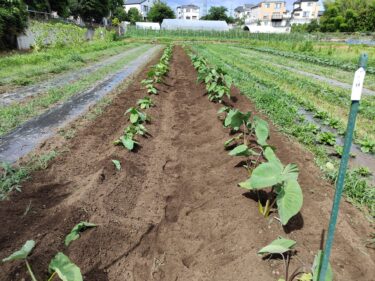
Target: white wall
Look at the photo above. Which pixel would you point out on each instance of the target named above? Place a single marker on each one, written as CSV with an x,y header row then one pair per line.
x,y
143,8
188,14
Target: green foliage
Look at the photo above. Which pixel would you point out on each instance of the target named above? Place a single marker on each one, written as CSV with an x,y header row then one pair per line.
x,y
90,10
218,13
317,267
327,138
242,150
367,145
65,268
278,246
117,164
10,179
136,116
77,229
134,15
348,16
13,20
261,131
145,103
22,253
283,181
160,11
235,119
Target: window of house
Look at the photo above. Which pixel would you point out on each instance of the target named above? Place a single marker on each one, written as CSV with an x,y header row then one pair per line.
x,y
145,9
267,5
194,17
278,5
188,10
309,4
306,14
187,17
296,14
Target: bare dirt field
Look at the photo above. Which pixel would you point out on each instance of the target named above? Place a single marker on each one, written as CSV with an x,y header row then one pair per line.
x,y
174,211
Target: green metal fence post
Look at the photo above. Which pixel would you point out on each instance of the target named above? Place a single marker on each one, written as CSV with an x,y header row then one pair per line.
x,y
356,96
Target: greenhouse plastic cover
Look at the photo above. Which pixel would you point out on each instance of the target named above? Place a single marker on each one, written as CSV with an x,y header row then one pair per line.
x,y
175,24
147,25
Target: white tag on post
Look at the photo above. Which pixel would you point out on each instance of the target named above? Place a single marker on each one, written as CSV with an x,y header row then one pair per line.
x,y
357,88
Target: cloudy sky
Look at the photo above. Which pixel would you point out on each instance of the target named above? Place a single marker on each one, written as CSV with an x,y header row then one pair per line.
x,y
230,4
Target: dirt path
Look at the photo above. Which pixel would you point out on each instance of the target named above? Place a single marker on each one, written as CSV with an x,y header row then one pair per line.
x,y
61,79
174,211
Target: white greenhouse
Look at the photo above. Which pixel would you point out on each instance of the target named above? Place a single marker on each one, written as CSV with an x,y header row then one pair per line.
x,y
147,25
180,24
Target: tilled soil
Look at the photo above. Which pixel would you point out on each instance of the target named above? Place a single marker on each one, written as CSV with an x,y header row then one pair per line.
x,y
174,211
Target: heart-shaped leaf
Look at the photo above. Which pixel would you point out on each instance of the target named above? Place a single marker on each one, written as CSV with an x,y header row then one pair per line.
x,y
261,131
278,246
241,150
266,175
289,200
21,253
65,269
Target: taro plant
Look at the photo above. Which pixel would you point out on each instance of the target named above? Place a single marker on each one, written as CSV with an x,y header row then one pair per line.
x,y
218,84
77,229
136,116
145,103
283,183
60,264
149,85
117,164
284,248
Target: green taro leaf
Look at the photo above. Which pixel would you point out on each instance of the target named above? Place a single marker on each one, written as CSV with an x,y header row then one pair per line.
x,y
266,175
290,172
74,234
271,156
21,253
278,246
127,142
261,131
317,267
65,269
289,200
117,164
230,141
241,150
236,118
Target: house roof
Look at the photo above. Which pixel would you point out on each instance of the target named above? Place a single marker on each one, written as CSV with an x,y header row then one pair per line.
x,y
239,9
188,6
132,2
249,6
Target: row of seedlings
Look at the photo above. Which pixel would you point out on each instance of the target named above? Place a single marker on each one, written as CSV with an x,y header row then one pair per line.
x,y
264,168
136,115
60,264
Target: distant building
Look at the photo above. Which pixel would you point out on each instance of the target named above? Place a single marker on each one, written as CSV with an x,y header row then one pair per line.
x,y
180,24
269,16
188,12
304,11
143,6
243,12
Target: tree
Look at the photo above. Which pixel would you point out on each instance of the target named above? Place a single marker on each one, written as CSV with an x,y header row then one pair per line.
x,y
134,15
348,16
120,14
59,6
218,13
160,11
13,20
90,10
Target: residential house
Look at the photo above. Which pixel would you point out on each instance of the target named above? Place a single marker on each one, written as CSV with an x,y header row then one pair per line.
x,y
269,16
304,11
243,12
188,12
143,6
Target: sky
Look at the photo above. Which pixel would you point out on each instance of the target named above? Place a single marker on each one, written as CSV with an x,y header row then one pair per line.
x,y
230,4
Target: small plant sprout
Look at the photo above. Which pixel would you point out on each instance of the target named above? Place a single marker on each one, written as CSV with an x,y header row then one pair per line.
x,y
22,254
77,229
117,164
285,247
145,103
283,182
233,140
127,141
327,138
235,119
136,116
367,145
60,264
64,268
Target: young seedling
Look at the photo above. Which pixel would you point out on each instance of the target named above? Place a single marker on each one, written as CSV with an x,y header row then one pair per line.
x,y
127,141
282,181
136,116
284,247
22,254
327,138
367,145
60,264
145,103
117,164
235,119
75,232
